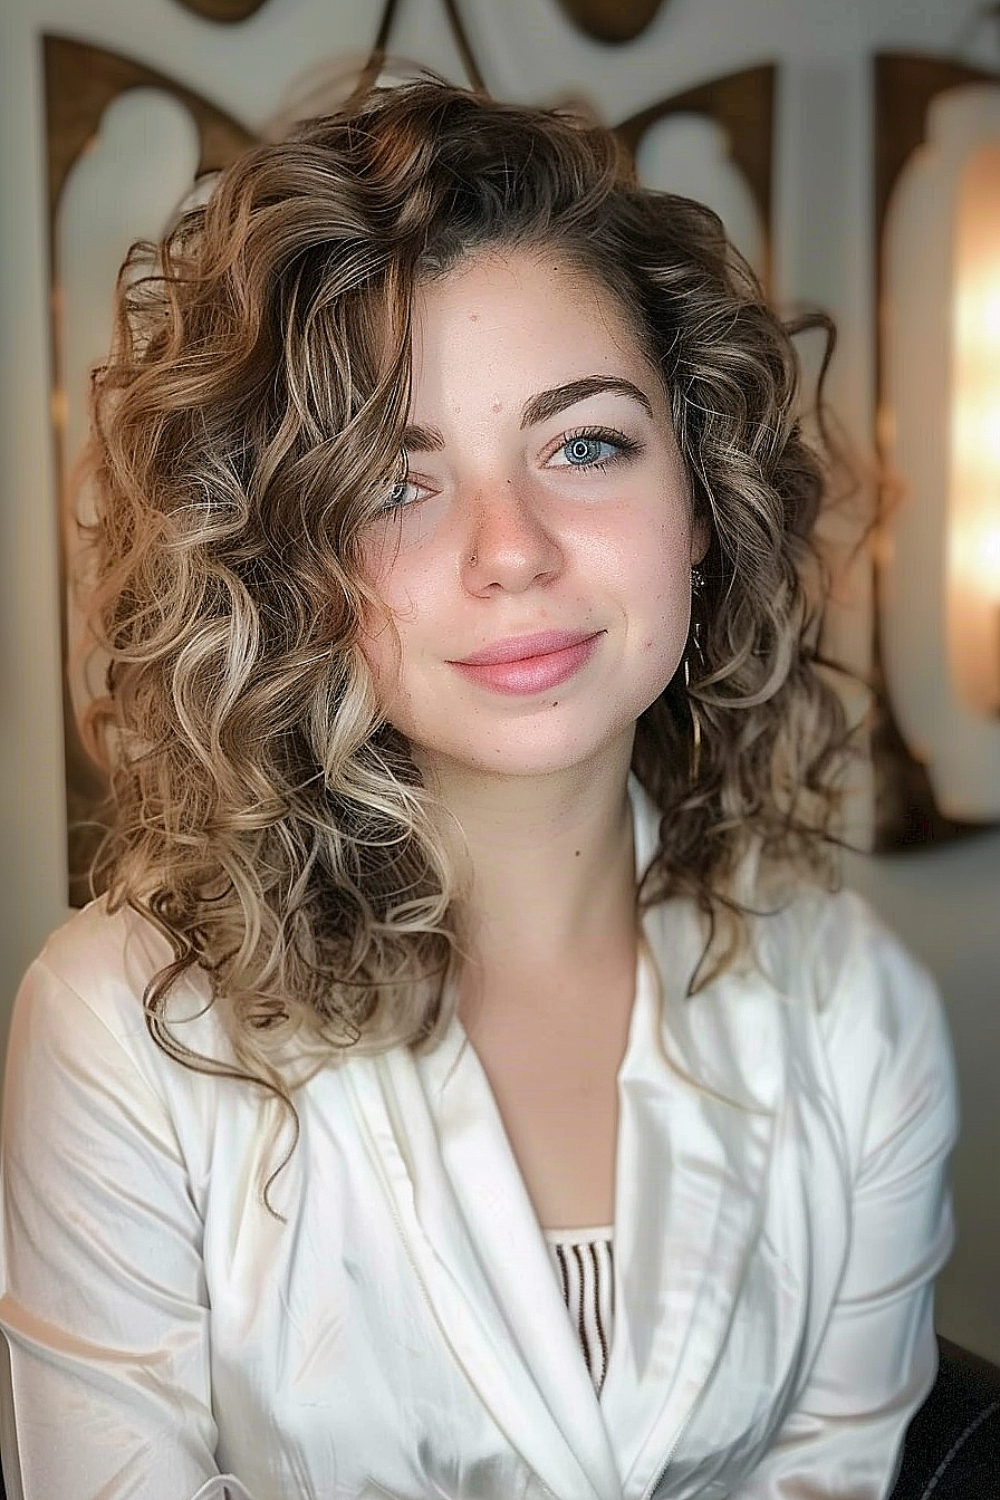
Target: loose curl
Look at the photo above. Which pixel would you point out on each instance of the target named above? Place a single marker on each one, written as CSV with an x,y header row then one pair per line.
x,y
247,428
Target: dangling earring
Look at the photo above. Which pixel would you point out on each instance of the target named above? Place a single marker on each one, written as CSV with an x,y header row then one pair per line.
x,y
697,589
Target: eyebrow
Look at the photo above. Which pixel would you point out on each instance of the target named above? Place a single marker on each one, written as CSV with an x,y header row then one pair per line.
x,y
549,403
417,439
420,439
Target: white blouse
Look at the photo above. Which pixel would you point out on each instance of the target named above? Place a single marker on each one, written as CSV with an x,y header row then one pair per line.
x,y
397,1328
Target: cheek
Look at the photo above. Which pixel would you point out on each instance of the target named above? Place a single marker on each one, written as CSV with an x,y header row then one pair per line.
x,y
661,595
652,568
389,624
409,580
393,642
380,645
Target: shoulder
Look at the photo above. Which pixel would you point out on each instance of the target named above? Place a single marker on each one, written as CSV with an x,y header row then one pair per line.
x,y
89,1093
830,951
873,1009
832,954
91,977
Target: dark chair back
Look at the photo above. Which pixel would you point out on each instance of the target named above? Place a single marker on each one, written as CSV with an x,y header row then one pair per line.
x,y
952,1449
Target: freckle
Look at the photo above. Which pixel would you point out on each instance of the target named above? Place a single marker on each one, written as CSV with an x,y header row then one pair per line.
x,y
576,854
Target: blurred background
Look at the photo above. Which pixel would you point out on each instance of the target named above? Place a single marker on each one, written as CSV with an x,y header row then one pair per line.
x,y
854,154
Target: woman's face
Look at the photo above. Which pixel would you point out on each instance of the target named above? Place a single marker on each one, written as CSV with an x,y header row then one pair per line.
x,y
536,564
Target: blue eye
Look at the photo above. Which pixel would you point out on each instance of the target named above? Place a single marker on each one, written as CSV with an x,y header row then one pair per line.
x,y
593,448
583,451
404,492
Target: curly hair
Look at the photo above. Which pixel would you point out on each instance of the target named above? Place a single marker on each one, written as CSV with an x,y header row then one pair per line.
x,y
247,428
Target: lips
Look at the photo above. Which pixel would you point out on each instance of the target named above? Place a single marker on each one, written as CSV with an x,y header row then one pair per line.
x,y
525,647
527,664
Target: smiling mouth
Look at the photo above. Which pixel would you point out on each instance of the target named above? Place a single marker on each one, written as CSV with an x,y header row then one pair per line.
x,y
527,647
528,664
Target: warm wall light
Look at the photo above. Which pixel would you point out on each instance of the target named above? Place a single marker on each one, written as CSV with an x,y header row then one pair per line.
x,y
936,584
973,563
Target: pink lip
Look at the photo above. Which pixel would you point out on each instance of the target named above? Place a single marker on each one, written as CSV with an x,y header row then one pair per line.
x,y
529,663
523,647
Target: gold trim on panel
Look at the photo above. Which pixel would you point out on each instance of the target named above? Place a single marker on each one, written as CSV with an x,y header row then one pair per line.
x,y
459,35
742,104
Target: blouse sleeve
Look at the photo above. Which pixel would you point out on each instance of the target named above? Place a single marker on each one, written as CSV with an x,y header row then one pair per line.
x,y
891,1065
104,1306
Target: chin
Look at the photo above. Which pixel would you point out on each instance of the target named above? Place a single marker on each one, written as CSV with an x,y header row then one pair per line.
x,y
545,741
536,753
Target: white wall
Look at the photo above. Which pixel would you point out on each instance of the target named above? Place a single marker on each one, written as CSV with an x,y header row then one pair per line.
x,y
945,904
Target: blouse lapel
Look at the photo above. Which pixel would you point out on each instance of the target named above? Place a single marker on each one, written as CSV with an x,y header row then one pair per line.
x,y
699,1089
462,1209
503,1228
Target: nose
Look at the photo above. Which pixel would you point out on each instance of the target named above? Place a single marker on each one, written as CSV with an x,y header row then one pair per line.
x,y
508,546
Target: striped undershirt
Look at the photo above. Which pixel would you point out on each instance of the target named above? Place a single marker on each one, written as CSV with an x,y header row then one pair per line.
x,y
583,1262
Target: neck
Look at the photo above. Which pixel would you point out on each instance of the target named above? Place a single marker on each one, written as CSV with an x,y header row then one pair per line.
x,y
552,879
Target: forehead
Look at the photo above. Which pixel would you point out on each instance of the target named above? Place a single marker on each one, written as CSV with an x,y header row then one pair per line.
x,y
517,316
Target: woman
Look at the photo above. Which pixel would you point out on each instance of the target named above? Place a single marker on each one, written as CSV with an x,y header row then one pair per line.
x,y
467,1085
